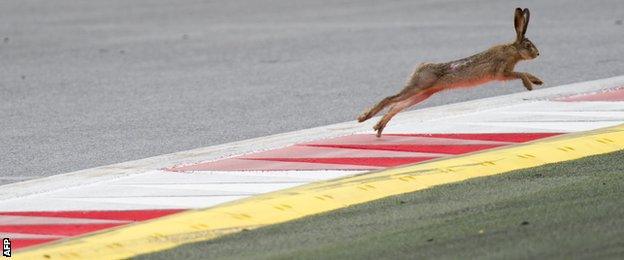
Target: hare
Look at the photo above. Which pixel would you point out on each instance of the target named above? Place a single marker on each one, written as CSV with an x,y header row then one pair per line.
x,y
496,63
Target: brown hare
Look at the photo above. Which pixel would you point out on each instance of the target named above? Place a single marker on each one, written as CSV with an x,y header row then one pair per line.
x,y
496,63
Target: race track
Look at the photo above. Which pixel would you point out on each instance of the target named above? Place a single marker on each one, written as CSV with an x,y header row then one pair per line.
x,y
90,83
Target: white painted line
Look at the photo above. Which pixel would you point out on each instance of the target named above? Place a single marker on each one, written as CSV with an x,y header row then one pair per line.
x,y
166,190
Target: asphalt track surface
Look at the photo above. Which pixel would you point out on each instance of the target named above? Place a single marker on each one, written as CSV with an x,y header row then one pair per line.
x,y
90,83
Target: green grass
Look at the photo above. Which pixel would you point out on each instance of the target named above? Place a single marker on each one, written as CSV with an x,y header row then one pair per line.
x,y
567,210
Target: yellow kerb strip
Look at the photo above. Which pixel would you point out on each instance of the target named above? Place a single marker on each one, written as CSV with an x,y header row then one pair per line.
x,y
276,207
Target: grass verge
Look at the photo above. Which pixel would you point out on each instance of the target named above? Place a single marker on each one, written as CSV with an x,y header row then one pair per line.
x,y
566,210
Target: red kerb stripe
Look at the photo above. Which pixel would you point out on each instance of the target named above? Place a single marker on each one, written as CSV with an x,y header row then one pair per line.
x,y
130,215
445,149
502,137
59,230
612,95
367,161
21,243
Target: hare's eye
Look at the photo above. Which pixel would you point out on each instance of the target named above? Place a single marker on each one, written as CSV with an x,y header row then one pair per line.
x,y
527,44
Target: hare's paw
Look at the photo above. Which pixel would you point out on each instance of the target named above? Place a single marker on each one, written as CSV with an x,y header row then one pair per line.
x,y
379,132
363,117
379,128
535,80
527,84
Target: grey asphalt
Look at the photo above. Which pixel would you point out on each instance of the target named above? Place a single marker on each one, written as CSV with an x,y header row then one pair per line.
x,y
91,83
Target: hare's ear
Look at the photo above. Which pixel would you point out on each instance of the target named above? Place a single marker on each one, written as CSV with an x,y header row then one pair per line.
x,y
527,15
519,23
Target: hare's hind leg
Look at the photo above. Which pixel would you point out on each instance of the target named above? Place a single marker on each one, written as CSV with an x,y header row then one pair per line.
x,y
395,109
381,105
398,107
420,79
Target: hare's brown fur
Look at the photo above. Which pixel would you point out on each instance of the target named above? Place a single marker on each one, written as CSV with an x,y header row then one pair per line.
x,y
496,63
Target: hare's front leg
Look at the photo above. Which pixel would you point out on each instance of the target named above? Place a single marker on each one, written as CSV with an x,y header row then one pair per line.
x,y
527,79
